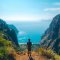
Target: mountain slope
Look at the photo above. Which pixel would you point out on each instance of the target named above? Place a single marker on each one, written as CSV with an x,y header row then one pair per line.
x,y
11,26
9,33
51,37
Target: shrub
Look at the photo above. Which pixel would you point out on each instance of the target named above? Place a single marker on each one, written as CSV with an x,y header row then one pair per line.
x,y
50,54
6,48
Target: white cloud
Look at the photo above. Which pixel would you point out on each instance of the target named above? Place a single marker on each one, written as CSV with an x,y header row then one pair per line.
x,y
52,9
22,43
22,38
56,3
25,18
21,17
22,33
30,17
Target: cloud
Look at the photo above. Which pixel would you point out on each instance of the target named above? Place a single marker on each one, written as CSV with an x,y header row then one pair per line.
x,y
25,18
22,33
22,43
21,17
56,3
52,9
22,38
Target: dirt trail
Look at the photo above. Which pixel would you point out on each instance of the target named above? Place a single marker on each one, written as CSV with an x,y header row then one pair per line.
x,y
35,56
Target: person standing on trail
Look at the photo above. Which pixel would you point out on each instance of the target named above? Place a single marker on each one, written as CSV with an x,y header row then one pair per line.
x,y
29,44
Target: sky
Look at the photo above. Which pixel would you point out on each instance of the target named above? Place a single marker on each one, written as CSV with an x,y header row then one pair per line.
x,y
29,10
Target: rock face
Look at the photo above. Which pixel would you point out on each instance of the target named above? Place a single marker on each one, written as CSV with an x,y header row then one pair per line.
x,y
13,27
51,37
9,33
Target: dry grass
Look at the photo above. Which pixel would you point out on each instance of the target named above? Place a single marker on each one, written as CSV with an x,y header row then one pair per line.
x,y
49,54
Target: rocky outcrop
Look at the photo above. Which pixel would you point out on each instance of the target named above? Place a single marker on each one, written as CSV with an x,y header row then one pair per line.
x,y
11,26
9,33
51,37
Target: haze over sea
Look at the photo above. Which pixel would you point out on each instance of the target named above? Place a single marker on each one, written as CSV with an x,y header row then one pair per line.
x,y
32,30
34,16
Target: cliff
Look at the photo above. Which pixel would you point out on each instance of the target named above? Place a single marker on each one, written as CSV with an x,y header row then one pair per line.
x,y
51,37
9,33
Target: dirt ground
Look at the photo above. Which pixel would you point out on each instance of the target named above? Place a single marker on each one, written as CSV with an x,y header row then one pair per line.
x,y
35,56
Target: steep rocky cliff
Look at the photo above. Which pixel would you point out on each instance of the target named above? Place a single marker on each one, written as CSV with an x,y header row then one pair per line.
x,y
51,37
9,33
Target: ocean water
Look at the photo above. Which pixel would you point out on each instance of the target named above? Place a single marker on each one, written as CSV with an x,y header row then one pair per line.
x,y
30,30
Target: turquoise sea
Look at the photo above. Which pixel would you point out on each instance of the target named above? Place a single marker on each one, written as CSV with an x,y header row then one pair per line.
x,y
32,30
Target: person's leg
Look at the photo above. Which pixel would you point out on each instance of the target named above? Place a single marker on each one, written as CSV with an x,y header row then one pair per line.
x,y
28,53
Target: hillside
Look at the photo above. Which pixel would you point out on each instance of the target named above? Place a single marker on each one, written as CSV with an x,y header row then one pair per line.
x,y
9,31
8,41
51,37
11,26
6,48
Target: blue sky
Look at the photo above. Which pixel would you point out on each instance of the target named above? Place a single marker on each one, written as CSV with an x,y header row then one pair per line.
x,y
28,10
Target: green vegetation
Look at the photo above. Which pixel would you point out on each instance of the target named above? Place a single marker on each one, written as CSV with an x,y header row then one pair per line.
x,y
8,41
50,54
6,48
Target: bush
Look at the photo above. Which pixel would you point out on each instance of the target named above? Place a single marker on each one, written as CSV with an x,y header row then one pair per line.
x,y
50,54
6,48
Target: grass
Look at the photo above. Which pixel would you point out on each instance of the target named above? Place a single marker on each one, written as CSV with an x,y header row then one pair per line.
x,y
6,48
50,54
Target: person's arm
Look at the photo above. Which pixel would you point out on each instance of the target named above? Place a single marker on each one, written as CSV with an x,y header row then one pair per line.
x,y
31,43
27,45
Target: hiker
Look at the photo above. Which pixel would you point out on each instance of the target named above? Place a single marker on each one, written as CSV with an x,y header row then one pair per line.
x,y
29,44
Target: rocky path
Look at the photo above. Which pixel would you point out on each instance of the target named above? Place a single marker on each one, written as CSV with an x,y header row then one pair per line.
x,y
35,56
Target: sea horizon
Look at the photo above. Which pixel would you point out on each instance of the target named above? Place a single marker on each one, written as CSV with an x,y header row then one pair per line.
x,y
30,30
